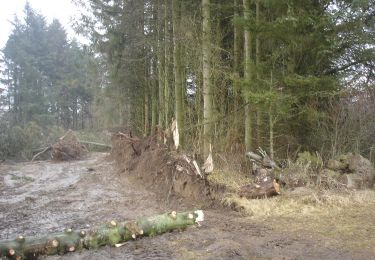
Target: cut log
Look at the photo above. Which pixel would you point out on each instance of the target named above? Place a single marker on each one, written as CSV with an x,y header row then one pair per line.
x,y
262,190
111,234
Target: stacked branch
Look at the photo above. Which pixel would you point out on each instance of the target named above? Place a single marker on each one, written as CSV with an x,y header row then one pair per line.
x,y
112,234
262,159
265,185
68,147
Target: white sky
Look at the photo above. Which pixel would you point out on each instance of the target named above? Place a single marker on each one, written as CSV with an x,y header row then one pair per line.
x,y
62,10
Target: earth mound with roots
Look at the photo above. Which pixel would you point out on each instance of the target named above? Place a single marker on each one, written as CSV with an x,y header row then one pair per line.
x,y
68,147
172,175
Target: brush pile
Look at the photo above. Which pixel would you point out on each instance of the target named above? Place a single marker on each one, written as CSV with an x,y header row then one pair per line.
x,y
265,184
68,147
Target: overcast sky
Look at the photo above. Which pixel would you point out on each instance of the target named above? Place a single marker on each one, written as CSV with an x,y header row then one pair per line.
x,y
63,10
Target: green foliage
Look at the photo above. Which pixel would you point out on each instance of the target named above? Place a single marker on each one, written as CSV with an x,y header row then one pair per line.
x,y
314,160
19,142
95,136
48,79
304,56
22,142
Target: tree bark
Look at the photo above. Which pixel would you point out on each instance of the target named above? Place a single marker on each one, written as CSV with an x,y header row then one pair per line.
x,y
207,84
261,190
248,77
161,63
271,122
154,98
236,57
257,61
178,83
146,111
168,61
111,234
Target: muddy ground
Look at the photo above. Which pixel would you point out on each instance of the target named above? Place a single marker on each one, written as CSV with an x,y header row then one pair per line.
x,y
44,197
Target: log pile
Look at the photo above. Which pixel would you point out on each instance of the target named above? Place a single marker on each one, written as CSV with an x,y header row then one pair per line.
x,y
265,185
112,234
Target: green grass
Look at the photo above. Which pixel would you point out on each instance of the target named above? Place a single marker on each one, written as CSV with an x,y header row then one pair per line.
x,y
21,178
231,180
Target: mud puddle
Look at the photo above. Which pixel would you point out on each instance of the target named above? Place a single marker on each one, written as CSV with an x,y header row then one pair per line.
x,y
41,197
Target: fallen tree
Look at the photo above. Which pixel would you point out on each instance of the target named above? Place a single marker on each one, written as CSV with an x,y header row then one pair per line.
x,y
68,147
112,234
262,190
100,145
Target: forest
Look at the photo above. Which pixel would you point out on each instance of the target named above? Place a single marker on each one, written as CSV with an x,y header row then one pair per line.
x,y
287,76
250,123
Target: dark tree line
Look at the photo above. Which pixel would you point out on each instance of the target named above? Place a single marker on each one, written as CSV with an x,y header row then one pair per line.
x,y
285,75
236,73
48,79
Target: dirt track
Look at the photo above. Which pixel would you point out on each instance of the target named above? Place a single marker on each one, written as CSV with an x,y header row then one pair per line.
x,y
45,196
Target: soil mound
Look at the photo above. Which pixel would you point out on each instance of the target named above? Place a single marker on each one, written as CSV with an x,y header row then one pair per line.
x,y
169,174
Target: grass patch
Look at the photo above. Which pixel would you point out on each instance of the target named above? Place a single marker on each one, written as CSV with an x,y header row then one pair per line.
x,y
342,219
21,178
231,180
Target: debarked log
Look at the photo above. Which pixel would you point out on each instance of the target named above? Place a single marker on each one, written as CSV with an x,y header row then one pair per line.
x,y
112,234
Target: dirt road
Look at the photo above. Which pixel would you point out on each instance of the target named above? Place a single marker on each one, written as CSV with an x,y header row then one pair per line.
x,y
44,197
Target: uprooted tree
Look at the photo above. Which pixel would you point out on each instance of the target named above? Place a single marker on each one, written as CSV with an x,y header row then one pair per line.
x,y
68,147
112,233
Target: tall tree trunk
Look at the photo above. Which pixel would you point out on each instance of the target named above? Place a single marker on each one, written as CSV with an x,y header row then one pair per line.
x,y
236,40
271,122
154,74
154,101
257,60
207,84
248,77
178,80
146,111
75,113
161,63
236,63
168,61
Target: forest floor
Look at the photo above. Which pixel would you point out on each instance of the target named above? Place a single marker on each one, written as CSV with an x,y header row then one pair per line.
x,y
40,197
